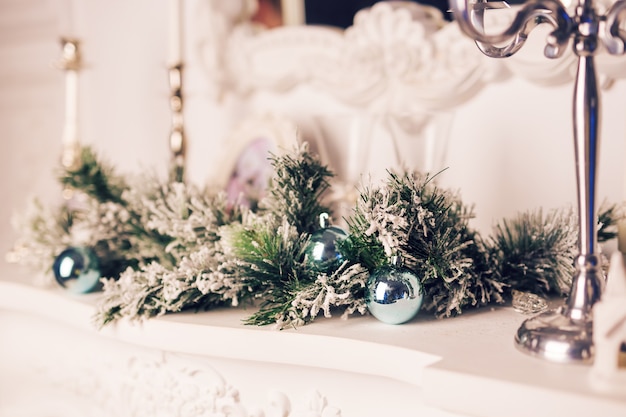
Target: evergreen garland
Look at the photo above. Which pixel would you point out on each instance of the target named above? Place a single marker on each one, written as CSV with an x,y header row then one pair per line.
x,y
169,246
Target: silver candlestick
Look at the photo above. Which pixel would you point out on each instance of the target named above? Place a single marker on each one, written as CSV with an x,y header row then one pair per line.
x,y
564,334
177,133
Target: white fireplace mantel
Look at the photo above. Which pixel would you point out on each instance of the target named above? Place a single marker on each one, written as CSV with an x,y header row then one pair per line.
x,y
54,361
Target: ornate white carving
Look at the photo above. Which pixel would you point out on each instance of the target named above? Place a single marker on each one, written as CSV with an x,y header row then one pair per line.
x,y
398,56
160,386
154,383
401,59
222,18
314,405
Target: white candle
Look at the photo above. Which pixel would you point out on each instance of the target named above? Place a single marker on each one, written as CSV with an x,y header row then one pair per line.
x,y
70,130
175,32
292,12
68,14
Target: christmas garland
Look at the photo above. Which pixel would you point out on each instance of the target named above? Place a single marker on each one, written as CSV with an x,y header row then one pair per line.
x,y
166,246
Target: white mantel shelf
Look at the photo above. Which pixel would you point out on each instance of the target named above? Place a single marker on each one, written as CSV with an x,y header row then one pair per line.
x,y
462,366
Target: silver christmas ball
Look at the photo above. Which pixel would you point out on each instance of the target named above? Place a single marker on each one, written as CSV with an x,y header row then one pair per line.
x,y
394,294
77,269
322,254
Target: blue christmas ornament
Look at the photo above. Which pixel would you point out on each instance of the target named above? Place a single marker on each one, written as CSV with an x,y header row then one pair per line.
x,y
77,269
394,294
322,254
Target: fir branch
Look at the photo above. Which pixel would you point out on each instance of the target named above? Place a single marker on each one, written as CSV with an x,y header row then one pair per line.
x,y
428,228
94,178
343,289
271,248
204,279
181,217
270,260
295,192
200,275
608,217
118,233
535,252
489,288
363,245
114,216
43,233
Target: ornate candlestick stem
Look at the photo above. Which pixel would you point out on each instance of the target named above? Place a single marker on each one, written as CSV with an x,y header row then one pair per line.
x,y
177,133
564,334
588,281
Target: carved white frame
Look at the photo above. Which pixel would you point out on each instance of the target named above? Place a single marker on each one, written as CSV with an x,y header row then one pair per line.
x,y
397,57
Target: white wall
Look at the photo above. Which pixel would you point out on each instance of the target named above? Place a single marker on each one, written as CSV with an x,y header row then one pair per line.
x,y
512,149
29,113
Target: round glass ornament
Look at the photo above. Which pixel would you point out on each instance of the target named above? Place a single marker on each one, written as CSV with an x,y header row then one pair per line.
x,y
322,254
394,294
77,269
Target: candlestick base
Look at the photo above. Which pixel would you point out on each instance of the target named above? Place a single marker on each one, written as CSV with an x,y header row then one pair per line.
x,y
555,336
566,334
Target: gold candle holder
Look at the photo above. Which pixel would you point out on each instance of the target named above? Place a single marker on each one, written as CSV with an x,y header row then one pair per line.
x,y
177,132
70,63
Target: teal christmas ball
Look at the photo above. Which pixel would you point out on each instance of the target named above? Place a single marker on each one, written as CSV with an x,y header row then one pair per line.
x,y
322,253
77,269
394,294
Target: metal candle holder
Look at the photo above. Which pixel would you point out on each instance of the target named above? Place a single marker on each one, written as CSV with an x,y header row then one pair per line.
x,y
564,334
177,133
70,63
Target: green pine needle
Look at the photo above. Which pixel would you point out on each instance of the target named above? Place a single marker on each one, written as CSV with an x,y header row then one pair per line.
x,y
535,252
95,178
428,227
608,217
299,182
270,249
270,260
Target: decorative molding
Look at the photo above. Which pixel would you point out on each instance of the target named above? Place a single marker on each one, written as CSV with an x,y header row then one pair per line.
x,y
164,384
398,57
147,383
404,59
